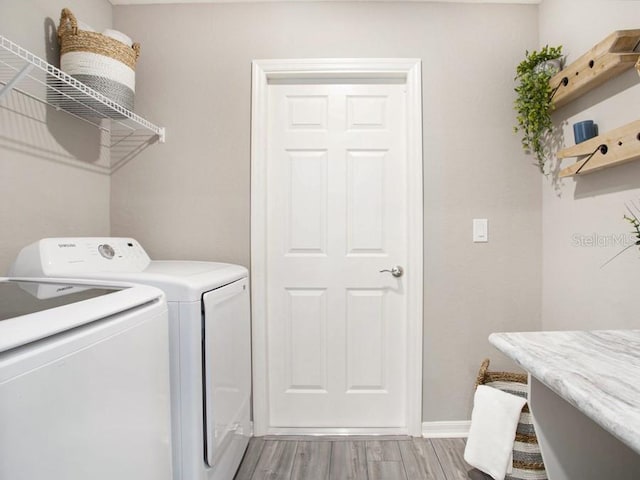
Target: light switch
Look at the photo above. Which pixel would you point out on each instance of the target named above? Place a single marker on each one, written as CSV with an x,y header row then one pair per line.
x,y
480,230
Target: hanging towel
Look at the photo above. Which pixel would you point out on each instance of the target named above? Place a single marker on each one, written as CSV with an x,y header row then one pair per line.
x,y
494,421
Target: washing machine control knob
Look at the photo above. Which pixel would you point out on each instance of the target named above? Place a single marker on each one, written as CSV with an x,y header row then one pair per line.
x,y
106,251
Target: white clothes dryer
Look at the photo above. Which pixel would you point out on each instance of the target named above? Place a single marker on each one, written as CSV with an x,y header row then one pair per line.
x,y
84,381
209,336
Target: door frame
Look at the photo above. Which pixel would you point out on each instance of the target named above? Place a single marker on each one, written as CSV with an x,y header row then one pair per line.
x,y
409,72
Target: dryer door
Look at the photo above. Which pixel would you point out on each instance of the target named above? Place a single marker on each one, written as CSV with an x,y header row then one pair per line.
x,y
227,366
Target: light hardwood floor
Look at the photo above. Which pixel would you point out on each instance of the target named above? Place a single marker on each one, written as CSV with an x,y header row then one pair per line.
x,y
353,458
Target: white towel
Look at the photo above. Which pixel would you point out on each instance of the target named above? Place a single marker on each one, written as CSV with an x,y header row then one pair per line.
x,y
494,421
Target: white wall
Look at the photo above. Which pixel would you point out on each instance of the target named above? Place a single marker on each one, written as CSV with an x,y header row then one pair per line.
x,y
577,292
51,180
189,198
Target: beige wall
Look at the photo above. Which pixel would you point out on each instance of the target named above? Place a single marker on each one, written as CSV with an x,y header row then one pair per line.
x,y
51,181
577,292
189,198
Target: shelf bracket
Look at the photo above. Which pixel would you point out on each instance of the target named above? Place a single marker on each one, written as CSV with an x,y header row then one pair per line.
x,y
15,80
612,148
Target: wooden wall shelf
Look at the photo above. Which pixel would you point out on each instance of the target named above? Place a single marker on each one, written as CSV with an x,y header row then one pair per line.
x,y
612,148
609,58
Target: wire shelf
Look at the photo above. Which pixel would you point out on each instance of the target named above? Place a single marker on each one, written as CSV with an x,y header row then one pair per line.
x,y
30,75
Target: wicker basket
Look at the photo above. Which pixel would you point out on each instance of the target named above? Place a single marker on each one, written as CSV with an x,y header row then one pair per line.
x,y
527,459
100,62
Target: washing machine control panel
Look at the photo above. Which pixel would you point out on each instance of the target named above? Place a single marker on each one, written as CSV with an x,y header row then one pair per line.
x,y
81,255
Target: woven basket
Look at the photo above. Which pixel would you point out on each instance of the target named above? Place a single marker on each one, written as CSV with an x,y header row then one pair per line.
x,y
100,62
527,459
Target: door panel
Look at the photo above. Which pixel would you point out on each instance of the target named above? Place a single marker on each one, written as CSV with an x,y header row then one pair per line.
x,y
306,356
366,112
365,197
366,328
336,216
307,204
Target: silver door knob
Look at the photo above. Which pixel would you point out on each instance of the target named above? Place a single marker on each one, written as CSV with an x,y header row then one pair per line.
x,y
396,271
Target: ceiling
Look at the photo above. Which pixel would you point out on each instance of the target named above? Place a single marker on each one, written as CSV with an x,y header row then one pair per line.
x,y
149,2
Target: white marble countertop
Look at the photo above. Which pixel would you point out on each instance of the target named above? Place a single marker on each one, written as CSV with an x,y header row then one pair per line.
x,y
598,372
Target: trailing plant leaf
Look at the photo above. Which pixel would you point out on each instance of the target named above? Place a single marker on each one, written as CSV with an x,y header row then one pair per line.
x,y
635,223
533,103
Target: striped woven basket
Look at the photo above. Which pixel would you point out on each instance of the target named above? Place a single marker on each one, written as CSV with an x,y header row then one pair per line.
x,y
527,459
100,62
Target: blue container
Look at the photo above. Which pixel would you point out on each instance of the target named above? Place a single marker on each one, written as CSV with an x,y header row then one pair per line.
x,y
584,130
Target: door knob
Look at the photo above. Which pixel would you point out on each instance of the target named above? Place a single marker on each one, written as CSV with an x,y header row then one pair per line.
x,y
396,271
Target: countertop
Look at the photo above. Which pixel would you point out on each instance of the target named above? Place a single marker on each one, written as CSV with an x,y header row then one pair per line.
x,y
598,372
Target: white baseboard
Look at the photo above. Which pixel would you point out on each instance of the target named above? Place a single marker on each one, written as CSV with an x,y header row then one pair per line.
x,y
455,429
291,431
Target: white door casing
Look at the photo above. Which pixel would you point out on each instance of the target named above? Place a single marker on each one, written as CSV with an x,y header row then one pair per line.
x,y
336,197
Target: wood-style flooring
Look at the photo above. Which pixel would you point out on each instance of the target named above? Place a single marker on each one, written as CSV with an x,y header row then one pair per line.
x,y
354,458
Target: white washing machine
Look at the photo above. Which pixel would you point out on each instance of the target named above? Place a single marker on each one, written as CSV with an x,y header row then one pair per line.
x,y
209,334
84,381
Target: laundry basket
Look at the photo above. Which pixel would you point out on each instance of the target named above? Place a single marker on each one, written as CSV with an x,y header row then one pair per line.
x,y
103,63
527,459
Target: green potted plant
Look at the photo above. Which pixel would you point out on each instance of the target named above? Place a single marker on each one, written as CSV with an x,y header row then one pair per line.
x,y
533,102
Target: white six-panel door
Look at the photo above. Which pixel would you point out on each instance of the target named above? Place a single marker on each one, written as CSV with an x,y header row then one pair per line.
x,y
336,216
336,345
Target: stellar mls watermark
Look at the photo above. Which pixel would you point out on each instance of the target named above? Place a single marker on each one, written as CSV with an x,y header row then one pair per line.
x,y
599,240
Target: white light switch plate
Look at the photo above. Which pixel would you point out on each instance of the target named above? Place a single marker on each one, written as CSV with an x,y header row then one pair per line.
x,y
480,230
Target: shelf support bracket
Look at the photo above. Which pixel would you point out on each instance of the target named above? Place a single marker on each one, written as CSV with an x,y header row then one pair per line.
x,y
15,80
